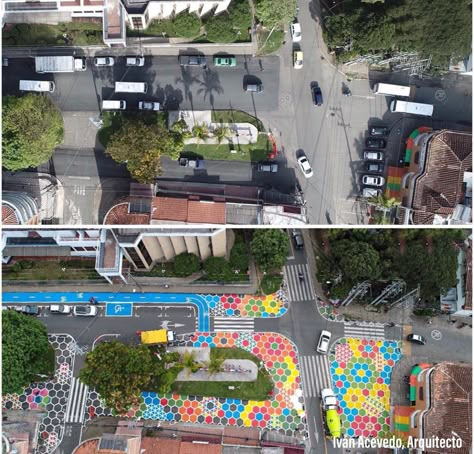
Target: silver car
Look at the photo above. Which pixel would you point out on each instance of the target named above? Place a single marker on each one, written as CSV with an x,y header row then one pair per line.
x,y
373,180
104,61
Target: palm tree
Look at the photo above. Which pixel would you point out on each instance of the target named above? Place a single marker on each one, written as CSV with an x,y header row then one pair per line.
x,y
383,202
221,133
214,365
201,131
189,362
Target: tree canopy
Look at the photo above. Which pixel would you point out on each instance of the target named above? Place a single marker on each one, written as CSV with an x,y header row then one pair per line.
x,y
269,248
32,128
140,144
275,14
424,26
24,349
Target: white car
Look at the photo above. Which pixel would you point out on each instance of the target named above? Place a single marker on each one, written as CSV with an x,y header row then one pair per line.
x,y
145,105
328,398
60,309
104,61
371,192
373,155
85,311
295,30
324,340
297,59
373,180
305,166
135,61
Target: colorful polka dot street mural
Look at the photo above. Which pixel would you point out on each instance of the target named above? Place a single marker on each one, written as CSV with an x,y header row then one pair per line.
x,y
361,370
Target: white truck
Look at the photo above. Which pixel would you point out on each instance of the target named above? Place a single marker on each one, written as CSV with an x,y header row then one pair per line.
x,y
60,64
414,108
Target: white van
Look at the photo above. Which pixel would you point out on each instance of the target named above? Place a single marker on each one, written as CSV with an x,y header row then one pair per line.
x,y
414,108
114,105
131,87
37,85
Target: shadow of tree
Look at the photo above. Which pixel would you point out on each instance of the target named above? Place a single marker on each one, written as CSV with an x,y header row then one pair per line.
x,y
210,84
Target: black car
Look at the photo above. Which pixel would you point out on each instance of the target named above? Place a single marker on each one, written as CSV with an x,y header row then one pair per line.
x,y
372,142
193,60
267,167
27,309
317,95
378,130
416,339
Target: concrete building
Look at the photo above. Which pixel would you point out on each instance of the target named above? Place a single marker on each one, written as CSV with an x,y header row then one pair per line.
x,y
115,15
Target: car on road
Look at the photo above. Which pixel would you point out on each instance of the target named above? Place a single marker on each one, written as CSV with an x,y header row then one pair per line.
x,y
373,180
373,142
256,87
85,311
378,130
193,60
375,167
371,192
27,309
60,309
148,105
295,30
416,339
192,163
317,95
298,239
328,398
373,155
267,167
104,61
323,343
305,166
135,61
297,59
225,60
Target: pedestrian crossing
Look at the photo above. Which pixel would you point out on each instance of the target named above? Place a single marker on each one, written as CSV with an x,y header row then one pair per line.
x,y
75,409
234,324
364,330
314,370
299,290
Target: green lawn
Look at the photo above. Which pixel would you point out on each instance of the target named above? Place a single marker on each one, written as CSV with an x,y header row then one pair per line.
x,y
78,34
273,44
258,390
270,284
236,116
253,153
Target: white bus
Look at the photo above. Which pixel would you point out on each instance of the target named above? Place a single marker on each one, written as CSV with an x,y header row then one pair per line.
x,y
131,87
392,90
37,85
414,108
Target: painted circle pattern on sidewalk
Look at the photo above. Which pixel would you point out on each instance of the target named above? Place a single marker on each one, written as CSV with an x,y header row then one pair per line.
x,y
274,305
361,371
282,411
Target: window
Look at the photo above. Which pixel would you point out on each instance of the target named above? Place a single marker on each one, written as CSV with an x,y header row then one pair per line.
x,y
144,251
137,22
136,260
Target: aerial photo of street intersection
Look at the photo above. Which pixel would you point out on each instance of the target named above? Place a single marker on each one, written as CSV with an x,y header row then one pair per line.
x,y
270,351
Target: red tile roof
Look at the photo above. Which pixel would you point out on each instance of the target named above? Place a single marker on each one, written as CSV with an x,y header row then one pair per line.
x,y
169,209
206,212
157,445
119,215
8,215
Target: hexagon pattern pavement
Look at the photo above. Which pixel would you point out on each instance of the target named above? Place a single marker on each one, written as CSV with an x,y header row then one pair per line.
x,y
279,412
274,305
361,371
50,397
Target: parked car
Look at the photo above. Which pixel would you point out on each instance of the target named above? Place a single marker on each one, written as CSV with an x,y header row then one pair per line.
x,y
373,142
193,163
225,60
135,61
267,167
416,339
148,105
256,87
373,180
4,61
378,130
373,155
60,309
323,343
295,30
104,61
85,311
27,309
305,166
371,192
193,60
376,167
297,59
317,95
298,239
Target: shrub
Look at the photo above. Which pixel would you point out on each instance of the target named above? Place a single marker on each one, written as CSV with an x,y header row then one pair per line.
x,y
230,26
187,25
271,283
217,268
239,259
186,264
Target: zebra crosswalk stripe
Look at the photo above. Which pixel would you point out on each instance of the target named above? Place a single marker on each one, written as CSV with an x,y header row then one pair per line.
x,y
299,290
77,399
315,374
234,324
365,331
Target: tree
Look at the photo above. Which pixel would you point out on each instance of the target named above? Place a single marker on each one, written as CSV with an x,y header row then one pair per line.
x,y
357,260
140,145
221,133
32,128
269,248
120,372
275,14
201,131
186,264
217,268
214,365
239,258
24,349
231,25
187,25
189,362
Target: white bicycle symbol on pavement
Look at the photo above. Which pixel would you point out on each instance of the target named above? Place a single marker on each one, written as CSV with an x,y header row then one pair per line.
x,y
436,335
